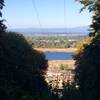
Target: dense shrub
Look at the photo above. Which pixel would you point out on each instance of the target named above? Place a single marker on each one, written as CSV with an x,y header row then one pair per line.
x,y
21,67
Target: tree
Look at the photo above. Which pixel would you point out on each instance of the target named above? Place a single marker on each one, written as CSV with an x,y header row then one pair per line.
x,y
93,6
2,26
1,6
22,68
88,57
87,70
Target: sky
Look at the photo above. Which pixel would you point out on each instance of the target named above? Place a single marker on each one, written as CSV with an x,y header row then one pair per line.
x,y
44,14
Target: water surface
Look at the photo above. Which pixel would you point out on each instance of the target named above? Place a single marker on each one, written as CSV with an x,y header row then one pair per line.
x,y
59,55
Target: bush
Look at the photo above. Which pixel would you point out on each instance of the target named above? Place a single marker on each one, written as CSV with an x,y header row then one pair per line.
x,y
22,68
64,67
87,70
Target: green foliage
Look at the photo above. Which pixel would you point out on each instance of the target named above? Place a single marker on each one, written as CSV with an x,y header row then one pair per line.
x,y
64,67
88,57
81,44
95,26
21,68
87,4
87,71
2,26
1,6
93,6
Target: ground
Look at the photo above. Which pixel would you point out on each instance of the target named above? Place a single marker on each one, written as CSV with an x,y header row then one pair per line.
x,y
54,73
57,49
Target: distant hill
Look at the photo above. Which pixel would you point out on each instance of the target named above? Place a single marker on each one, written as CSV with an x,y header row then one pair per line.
x,y
53,31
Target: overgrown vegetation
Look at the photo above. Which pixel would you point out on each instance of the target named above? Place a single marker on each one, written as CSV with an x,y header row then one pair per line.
x,y
88,56
22,69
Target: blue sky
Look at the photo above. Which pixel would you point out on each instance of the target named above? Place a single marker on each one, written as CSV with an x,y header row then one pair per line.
x,y
21,14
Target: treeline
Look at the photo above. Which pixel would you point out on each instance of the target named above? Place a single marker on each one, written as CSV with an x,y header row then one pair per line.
x,y
53,41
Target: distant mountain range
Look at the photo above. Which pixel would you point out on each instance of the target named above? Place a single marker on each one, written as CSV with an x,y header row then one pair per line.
x,y
45,31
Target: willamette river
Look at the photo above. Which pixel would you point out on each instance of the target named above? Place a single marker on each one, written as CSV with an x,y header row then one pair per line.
x,y
59,55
